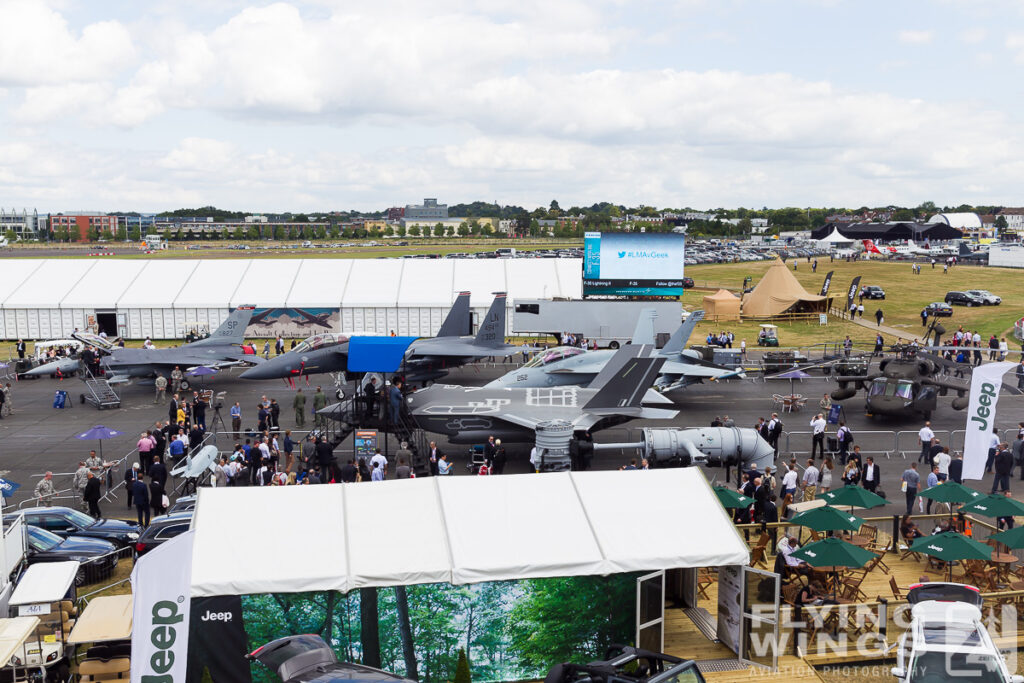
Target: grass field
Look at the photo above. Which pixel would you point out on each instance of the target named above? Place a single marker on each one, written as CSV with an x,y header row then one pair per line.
x,y
906,295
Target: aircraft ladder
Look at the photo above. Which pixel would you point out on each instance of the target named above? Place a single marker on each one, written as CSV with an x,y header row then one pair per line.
x,y
100,394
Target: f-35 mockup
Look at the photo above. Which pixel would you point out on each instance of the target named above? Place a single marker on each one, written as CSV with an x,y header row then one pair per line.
x,y
567,365
222,349
550,416
328,353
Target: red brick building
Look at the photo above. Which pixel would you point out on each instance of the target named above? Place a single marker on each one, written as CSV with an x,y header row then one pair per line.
x,y
78,225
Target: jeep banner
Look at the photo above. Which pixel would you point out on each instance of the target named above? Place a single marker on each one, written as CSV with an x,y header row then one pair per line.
x,y
986,381
827,283
161,584
852,294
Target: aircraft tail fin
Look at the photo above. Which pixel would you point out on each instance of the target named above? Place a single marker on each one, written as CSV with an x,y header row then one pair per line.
x,y
869,246
644,332
625,379
458,321
964,250
492,329
677,342
231,331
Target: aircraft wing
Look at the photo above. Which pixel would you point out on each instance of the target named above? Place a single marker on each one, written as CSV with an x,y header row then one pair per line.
x,y
675,368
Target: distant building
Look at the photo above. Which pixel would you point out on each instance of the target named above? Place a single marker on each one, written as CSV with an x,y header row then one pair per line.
x,y
968,223
1014,219
78,224
24,225
145,223
430,210
396,213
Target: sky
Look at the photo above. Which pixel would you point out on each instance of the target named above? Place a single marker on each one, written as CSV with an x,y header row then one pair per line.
x,y
326,105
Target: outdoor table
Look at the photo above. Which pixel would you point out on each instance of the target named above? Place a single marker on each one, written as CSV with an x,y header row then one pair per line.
x,y
1002,562
859,541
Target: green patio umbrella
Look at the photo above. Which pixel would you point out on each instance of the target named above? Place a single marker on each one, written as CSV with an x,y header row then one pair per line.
x,y
732,499
1011,538
994,505
833,552
950,547
951,492
827,518
853,497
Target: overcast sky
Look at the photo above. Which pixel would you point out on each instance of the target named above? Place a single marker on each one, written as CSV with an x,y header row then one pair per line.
x,y
338,104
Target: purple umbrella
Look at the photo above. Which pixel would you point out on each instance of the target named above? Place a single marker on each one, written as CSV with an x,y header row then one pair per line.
x,y
202,371
99,432
791,375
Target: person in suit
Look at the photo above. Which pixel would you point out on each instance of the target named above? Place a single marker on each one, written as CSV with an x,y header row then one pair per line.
x,y
140,496
20,348
158,471
92,495
871,475
172,409
435,454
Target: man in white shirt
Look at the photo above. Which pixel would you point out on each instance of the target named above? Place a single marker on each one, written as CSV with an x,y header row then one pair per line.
x,y
942,461
789,482
810,480
924,438
993,446
818,440
378,460
872,475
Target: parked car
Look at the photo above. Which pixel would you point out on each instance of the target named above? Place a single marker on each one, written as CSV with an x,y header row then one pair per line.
x,y
307,658
68,522
939,309
160,530
987,297
625,664
947,639
182,504
873,292
98,557
687,282
963,299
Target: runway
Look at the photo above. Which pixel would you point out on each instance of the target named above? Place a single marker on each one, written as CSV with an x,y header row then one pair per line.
x,y
37,437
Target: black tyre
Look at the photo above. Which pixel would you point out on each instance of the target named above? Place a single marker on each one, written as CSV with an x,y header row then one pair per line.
x,y
82,577
614,346
185,385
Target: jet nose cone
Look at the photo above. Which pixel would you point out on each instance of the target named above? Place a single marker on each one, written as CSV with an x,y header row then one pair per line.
x,y
266,370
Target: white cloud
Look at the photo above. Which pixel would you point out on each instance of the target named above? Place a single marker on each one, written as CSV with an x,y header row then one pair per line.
x,y
915,37
973,36
39,48
1015,43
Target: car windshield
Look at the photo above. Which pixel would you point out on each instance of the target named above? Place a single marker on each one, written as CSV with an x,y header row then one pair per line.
x,y
964,635
79,518
552,355
41,539
319,341
945,666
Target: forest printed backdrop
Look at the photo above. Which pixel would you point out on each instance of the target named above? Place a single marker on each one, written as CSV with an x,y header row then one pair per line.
x,y
511,630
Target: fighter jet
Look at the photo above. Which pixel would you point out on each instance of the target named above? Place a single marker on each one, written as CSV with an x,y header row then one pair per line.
x,y
194,466
325,353
554,416
565,365
220,350
432,358
63,366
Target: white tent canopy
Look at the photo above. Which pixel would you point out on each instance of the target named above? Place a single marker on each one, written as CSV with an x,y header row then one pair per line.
x,y
468,530
834,237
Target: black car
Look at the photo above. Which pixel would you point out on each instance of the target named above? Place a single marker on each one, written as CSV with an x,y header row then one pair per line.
x,y
182,504
307,658
162,529
939,309
687,282
98,557
626,664
67,522
873,292
963,299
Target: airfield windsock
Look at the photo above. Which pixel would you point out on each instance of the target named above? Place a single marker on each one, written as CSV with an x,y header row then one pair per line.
x,y
827,283
986,380
161,584
854,288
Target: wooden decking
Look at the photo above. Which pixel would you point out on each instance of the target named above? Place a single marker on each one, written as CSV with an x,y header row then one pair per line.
x,y
683,639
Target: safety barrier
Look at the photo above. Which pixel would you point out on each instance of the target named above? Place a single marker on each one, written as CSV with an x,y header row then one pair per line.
x,y
904,443
885,436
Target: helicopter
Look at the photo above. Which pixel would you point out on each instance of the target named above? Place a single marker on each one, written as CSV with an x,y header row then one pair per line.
x,y
906,385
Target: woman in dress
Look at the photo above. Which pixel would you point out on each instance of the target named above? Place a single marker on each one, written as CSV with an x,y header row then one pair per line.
x,y
826,475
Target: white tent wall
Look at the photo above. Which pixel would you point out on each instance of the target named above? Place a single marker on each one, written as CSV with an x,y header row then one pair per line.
x,y
99,289
424,295
371,296
320,283
482,277
15,271
40,294
148,303
589,529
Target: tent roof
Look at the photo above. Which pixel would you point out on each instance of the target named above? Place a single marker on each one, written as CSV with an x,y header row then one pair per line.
x,y
427,283
965,219
777,292
47,286
320,283
835,237
377,354
481,277
158,284
588,528
373,282
16,270
213,283
266,283
722,295
101,287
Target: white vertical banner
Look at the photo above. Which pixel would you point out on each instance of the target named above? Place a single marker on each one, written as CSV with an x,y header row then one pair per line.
x,y
986,381
161,584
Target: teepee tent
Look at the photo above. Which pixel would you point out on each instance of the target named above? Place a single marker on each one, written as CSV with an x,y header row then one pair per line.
x,y
722,305
779,292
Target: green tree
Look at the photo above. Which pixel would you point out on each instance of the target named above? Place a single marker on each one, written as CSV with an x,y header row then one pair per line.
x,y
321,232
279,232
463,229
106,234
902,215
389,231
239,233
414,231
1001,222
401,231
335,231
10,235
252,232
92,234
135,233
462,668
439,230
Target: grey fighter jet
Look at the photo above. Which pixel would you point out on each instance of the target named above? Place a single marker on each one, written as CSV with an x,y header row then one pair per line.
x,y
328,353
431,358
566,365
553,415
220,350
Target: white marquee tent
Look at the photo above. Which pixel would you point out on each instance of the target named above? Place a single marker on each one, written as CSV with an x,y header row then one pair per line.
x,y
468,530
41,298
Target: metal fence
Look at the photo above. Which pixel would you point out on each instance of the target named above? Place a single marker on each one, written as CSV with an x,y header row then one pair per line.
x,y
888,443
